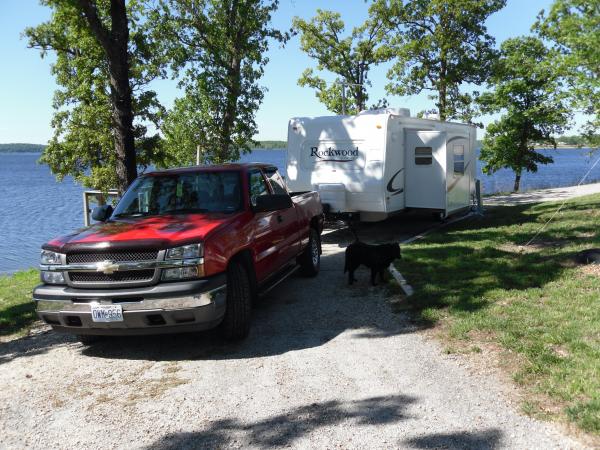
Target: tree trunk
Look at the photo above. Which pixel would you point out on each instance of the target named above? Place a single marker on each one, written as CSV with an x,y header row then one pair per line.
x,y
442,101
118,65
359,90
233,87
517,181
229,115
360,100
115,44
443,82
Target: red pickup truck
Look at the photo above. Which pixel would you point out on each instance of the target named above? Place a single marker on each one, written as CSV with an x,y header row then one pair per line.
x,y
184,250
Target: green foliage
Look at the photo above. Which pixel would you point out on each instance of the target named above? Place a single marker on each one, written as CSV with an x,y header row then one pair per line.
x,y
574,27
349,58
83,144
528,90
21,148
438,46
489,291
17,311
216,48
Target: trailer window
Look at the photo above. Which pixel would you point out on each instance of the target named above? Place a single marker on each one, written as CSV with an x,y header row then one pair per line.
x,y
257,186
459,159
276,181
423,156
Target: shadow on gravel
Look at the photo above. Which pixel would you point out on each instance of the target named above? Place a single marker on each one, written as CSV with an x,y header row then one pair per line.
x,y
298,314
395,229
36,344
478,440
283,429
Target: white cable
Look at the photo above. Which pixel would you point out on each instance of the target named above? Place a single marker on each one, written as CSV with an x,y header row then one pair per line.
x,y
561,206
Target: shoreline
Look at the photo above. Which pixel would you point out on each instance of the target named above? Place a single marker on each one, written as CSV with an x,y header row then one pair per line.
x,y
499,199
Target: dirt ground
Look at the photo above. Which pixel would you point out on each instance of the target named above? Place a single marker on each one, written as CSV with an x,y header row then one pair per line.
x,y
326,365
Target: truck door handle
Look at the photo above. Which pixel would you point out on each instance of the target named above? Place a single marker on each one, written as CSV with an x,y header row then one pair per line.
x,y
279,218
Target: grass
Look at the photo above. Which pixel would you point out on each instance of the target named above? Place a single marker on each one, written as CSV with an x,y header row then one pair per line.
x,y
17,311
535,303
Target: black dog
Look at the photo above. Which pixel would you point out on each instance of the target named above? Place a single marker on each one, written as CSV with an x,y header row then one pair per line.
x,y
375,257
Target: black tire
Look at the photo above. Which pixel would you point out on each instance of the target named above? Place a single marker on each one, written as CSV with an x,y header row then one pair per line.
x,y
236,323
89,339
310,260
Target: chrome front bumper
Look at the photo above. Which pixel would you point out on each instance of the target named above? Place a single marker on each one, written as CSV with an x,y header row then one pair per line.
x,y
163,308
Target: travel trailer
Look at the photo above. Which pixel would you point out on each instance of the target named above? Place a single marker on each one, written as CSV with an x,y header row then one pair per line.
x,y
381,162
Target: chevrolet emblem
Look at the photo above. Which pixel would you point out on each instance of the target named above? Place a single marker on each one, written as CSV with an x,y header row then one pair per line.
x,y
107,267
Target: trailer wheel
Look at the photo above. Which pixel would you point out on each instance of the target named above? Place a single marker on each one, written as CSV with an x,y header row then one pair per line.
x,y
310,260
236,323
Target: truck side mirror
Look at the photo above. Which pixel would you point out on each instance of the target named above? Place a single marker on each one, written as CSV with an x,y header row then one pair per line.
x,y
102,213
275,202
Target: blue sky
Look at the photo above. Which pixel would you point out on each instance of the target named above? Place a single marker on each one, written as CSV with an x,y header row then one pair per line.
x,y
27,85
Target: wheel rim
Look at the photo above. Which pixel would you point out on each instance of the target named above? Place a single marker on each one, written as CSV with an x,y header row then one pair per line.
x,y
314,250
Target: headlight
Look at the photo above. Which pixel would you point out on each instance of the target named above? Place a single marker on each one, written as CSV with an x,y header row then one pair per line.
x,y
185,252
49,257
52,277
182,273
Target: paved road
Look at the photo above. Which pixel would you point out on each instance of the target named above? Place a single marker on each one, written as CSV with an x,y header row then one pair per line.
x,y
325,366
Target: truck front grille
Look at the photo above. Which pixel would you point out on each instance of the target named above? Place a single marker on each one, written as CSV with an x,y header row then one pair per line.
x,y
80,258
145,275
120,278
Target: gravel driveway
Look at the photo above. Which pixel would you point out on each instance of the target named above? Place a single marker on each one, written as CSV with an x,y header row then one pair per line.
x,y
325,366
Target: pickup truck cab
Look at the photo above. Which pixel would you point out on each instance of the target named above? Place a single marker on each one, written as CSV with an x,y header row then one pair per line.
x,y
184,250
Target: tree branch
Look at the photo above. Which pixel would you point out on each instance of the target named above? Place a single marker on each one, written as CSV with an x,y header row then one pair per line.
x,y
90,11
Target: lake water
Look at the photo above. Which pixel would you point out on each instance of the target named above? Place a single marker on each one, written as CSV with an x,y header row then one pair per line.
x,y
34,207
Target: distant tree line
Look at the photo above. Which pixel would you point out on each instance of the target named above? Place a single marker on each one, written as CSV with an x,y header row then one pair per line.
x,y
21,148
269,145
108,122
38,148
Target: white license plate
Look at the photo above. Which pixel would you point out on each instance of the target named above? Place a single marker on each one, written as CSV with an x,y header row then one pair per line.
x,y
107,313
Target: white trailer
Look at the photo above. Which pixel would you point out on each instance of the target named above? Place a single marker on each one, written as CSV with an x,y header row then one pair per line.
x,y
383,161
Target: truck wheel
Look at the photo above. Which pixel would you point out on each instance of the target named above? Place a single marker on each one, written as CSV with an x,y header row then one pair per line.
x,y
310,260
236,323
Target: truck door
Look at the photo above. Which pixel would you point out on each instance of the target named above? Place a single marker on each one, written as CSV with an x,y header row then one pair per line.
x,y
287,219
269,238
425,181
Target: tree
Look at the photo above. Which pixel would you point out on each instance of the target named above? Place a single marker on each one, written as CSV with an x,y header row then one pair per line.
x,y
528,90
217,49
349,58
102,65
574,27
439,45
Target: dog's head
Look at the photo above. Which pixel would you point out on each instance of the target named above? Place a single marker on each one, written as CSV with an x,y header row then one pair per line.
x,y
394,251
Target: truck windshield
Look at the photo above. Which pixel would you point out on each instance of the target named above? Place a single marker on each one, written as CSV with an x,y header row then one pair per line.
x,y
200,192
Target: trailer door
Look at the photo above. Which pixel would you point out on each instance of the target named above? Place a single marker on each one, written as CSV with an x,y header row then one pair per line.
x,y
425,169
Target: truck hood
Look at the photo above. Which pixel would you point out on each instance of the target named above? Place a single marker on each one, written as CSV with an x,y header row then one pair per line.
x,y
156,232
